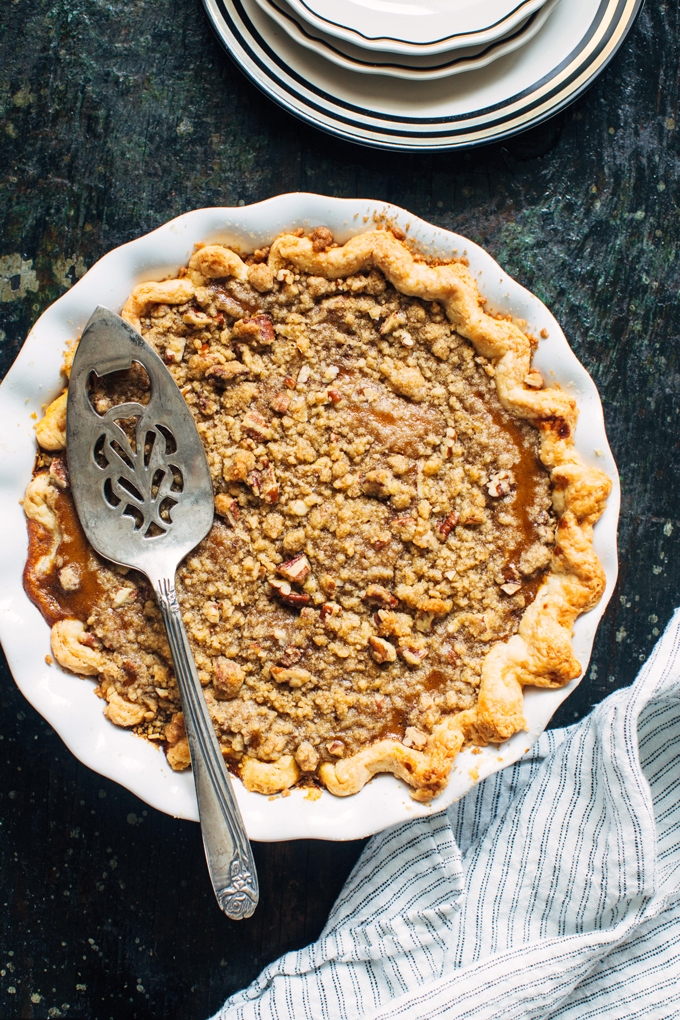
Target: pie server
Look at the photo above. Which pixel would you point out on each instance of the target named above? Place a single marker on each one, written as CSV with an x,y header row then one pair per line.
x,y
145,503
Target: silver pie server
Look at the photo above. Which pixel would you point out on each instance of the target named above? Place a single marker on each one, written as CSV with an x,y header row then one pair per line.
x,y
145,502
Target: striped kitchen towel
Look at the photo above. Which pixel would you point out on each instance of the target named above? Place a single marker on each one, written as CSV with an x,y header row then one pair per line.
x,y
551,890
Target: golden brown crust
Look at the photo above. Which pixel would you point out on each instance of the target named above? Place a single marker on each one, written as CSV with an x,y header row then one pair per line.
x,y
169,292
540,654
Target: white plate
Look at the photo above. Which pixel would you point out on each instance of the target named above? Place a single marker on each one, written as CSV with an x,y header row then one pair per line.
x,y
508,96
355,58
66,701
416,26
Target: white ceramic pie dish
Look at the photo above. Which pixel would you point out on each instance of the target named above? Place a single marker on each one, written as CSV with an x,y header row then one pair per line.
x,y
67,702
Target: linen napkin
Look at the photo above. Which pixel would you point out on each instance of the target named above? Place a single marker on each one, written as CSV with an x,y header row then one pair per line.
x,y
552,890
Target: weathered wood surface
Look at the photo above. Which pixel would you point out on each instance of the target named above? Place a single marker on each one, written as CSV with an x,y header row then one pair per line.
x,y
116,115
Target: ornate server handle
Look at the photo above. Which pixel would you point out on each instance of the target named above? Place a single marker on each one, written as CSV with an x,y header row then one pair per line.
x,y
227,850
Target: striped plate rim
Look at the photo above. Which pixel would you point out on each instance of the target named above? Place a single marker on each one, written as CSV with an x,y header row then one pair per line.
x,y
545,97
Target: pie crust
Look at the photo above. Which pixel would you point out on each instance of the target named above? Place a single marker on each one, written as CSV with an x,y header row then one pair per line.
x,y
538,654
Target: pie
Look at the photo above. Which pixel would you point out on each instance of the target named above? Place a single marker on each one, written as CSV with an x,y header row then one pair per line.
x,y
403,530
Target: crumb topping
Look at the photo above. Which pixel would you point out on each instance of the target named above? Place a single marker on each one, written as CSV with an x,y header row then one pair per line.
x,y
381,521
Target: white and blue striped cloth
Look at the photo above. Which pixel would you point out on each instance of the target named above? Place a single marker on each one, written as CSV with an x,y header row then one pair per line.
x,y
550,891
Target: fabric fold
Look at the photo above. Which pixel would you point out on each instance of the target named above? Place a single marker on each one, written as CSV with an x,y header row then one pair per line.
x,y
551,890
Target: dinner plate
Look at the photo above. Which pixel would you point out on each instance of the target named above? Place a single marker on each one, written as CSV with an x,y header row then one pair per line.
x,y
508,96
411,26
355,58
67,702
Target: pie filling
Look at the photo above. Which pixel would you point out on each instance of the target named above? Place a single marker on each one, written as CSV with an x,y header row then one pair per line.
x,y
383,521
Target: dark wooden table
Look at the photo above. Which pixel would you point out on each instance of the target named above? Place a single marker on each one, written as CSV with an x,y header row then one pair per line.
x,y
116,115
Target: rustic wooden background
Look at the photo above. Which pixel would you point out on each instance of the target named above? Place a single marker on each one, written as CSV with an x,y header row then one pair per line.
x,y
116,115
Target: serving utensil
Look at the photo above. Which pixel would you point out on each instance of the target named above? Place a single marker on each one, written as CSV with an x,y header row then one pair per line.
x,y
144,496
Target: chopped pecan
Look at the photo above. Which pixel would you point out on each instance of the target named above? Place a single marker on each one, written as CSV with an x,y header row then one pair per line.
x,y
227,507
424,622
287,595
258,329
291,656
534,379
382,650
329,609
294,677
328,584
263,483
414,738
376,593
500,484
225,302
412,651
69,577
445,527
59,473
255,426
196,317
280,403
222,375
296,570
336,748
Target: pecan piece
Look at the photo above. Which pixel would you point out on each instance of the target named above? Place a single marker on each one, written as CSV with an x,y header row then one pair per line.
x,y
534,379
414,738
59,473
291,656
381,650
329,609
294,677
255,426
222,375
263,483
500,484
412,651
69,577
258,329
376,593
280,403
296,570
445,527
227,507
287,595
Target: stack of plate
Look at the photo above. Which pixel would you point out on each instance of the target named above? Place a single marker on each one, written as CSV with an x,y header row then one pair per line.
x,y
422,74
